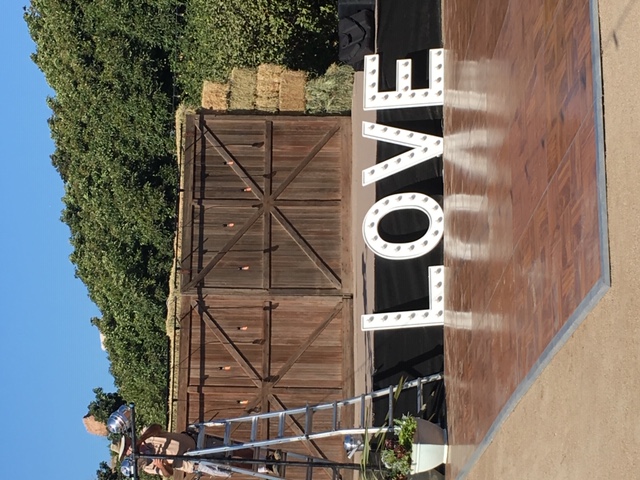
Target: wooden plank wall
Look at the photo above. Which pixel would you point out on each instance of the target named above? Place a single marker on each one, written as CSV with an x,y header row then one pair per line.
x,y
280,333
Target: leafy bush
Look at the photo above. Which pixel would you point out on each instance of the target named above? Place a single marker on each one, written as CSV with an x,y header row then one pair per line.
x,y
104,404
222,34
108,63
105,472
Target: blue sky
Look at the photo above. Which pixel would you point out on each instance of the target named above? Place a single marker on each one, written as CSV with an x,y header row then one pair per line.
x,y
50,359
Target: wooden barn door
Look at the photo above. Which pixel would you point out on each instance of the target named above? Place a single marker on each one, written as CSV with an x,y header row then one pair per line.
x,y
266,269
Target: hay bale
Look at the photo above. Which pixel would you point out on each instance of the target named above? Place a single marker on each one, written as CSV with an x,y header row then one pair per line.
x,y
214,95
292,91
331,93
243,89
268,87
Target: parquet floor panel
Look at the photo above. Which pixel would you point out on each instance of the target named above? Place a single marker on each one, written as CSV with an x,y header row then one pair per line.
x,y
522,248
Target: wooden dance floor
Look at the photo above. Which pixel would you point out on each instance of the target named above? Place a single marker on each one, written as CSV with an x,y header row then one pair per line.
x,y
523,238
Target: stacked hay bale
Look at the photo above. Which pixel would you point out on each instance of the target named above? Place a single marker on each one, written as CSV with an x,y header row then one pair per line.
x,y
268,87
292,91
331,92
215,95
242,97
272,88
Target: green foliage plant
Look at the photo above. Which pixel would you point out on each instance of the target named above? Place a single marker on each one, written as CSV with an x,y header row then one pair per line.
x,y
108,63
397,462
396,455
105,472
405,428
104,404
395,452
222,34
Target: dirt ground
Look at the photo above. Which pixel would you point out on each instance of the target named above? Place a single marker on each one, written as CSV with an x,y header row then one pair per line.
x,y
580,419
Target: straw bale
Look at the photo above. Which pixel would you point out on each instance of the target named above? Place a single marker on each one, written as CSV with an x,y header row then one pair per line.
x,y
243,89
292,91
331,93
268,87
214,95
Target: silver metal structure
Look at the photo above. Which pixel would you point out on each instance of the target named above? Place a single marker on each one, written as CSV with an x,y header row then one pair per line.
x,y
361,403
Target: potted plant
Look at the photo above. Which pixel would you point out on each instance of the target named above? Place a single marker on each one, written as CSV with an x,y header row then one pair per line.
x,y
418,446
396,455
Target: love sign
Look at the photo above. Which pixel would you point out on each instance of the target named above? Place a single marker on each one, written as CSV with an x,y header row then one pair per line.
x,y
423,148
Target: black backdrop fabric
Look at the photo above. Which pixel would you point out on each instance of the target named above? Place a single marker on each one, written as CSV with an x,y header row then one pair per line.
x,y
407,29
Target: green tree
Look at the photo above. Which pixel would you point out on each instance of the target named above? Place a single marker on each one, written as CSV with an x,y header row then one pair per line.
x,y
104,472
104,404
108,63
222,34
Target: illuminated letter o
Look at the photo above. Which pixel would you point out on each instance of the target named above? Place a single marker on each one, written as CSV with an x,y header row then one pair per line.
x,y
402,201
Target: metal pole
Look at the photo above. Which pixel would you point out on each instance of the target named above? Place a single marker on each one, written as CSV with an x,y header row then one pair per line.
x,y
133,440
258,461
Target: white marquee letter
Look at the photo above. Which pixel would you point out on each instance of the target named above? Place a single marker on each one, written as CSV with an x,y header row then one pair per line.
x,y
404,96
425,148
432,317
402,201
